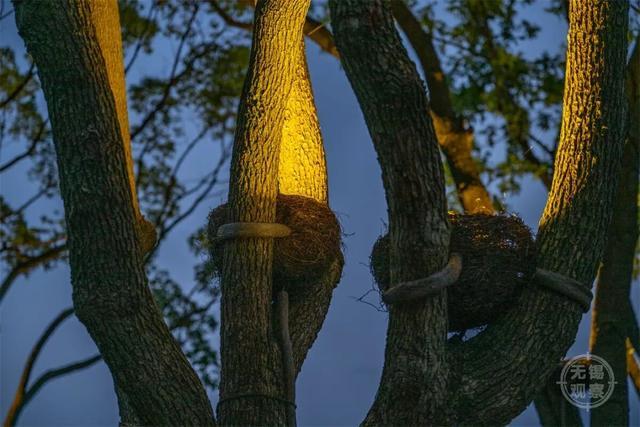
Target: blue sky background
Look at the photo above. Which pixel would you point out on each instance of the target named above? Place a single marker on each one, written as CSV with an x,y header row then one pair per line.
x,y
341,374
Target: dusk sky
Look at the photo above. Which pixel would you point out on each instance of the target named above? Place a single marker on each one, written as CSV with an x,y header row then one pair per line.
x,y
341,374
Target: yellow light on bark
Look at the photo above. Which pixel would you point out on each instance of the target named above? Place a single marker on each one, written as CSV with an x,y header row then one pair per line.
x,y
302,169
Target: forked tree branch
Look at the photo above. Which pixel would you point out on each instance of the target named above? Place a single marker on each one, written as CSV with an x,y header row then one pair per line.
x,y
19,399
537,331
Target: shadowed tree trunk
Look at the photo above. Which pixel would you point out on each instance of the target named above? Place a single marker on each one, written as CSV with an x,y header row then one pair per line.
x,y
110,292
394,102
612,312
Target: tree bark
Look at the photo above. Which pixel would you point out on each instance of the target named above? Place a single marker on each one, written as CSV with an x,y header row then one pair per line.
x,y
499,371
110,292
395,104
456,141
252,387
612,311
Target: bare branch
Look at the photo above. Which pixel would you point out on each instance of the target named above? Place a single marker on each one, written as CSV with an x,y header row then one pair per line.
x,y
455,140
228,19
29,151
171,81
16,91
29,264
142,38
19,397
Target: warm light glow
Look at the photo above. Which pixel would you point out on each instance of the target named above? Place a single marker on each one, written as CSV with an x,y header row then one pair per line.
x,y
302,170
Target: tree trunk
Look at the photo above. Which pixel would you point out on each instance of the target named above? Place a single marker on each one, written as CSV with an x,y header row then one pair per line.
x,y
500,370
252,387
394,103
612,311
110,291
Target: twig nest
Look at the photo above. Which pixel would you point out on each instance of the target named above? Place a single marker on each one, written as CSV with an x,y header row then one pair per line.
x,y
498,259
306,255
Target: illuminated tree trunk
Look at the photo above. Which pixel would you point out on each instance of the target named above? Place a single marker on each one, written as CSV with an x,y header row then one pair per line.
x,y
302,171
277,149
110,293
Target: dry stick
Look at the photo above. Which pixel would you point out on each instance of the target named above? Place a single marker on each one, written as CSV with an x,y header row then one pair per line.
x,y
282,307
272,230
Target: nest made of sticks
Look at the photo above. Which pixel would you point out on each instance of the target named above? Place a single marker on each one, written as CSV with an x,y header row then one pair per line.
x,y
498,259
300,259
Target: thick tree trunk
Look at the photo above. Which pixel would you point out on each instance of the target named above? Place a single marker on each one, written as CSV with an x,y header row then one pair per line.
x,y
455,140
500,370
394,103
110,292
612,310
252,387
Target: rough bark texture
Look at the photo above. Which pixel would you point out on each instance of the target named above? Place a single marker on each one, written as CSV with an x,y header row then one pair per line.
x,y
455,140
302,168
553,408
302,171
251,385
110,291
106,21
499,371
611,311
394,103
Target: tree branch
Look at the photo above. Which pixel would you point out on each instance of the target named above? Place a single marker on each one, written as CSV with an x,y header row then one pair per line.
x,y
28,151
19,397
16,91
393,100
455,140
110,293
29,264
525,345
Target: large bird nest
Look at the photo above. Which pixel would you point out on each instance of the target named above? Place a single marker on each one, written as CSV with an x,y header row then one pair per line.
x,y
498,259
300,259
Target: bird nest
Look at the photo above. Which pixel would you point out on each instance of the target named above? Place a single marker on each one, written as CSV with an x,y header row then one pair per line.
x,y
300,259
498,259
